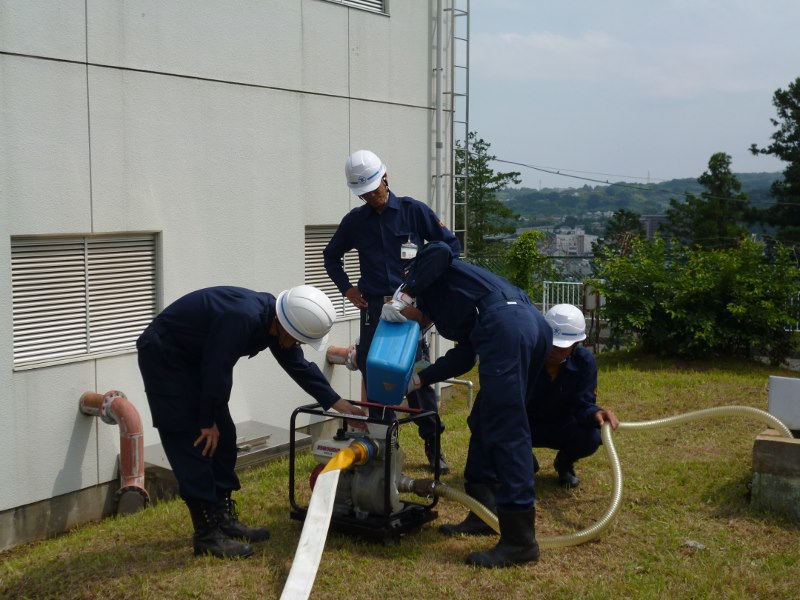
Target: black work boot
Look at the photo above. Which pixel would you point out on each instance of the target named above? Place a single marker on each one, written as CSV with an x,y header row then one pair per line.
x,y
517,543
209,538
430,453
473,524
535,465
566,471
232,527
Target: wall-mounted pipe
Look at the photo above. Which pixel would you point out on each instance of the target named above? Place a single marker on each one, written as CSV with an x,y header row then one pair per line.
x,y
467,383
114,408
339,355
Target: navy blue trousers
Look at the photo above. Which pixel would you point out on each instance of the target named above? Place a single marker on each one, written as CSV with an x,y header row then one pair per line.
x,y
512,345
574,440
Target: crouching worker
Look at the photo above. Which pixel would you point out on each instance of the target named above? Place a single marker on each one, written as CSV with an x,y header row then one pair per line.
x,y
563,410
488,317
186,357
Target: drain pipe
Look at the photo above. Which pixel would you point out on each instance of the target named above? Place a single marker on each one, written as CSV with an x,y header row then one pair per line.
x,y
114,408
339,355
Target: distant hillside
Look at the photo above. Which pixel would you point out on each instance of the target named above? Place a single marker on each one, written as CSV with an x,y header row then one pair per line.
x,y
584,205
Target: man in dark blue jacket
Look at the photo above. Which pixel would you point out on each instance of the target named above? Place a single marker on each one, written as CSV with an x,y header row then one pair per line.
x,y
488,317
386,231
186,357
563,412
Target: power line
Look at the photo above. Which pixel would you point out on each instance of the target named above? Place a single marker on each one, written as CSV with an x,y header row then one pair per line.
x,y
631,186
561,173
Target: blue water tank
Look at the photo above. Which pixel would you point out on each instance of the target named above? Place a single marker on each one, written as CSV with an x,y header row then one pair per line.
x,y
390,361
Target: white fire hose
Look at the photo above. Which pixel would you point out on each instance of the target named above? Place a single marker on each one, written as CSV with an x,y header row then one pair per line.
x,y
312,539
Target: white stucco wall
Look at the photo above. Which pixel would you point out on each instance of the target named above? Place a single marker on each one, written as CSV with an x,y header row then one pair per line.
x,y
222,125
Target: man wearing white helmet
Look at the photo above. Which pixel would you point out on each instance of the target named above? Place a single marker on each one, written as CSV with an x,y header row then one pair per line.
x,y
186,357
386,231
563,413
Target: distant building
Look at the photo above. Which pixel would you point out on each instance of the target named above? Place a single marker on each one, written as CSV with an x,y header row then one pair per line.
x,y
652,224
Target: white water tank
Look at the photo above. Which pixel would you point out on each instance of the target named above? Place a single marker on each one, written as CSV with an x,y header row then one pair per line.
x,y
784,400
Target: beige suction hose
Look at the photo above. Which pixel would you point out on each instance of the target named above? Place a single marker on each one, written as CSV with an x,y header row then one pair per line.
x,y
437,488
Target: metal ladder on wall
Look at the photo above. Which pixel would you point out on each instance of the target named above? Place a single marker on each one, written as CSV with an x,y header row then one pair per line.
x,y
459,110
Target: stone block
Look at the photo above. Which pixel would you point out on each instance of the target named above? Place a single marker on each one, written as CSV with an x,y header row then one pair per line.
x,y
776,474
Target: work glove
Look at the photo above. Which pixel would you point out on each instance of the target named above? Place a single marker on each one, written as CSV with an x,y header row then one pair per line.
x,y
400,301
414,383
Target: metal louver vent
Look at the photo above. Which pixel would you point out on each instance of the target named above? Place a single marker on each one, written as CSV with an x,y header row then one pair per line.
x,y
78,297
316,240
376,5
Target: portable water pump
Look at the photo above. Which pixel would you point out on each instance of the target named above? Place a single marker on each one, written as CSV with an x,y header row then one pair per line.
x,y
367,500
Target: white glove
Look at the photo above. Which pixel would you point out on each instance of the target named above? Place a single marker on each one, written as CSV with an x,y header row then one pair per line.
x,y
414,383
351,362
391,310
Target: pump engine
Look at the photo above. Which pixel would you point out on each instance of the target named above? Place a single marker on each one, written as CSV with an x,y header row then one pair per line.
x,y
367,500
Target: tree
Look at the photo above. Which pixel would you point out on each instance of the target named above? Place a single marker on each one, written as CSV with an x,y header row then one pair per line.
x,y
785,213
486,216
711,220
688,301
527,267
622,228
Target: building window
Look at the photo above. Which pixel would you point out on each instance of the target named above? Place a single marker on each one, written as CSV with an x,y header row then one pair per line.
x,y
317,238
80,297
380,6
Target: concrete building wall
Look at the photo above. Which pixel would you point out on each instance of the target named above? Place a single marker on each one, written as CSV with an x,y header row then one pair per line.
x,y
223,127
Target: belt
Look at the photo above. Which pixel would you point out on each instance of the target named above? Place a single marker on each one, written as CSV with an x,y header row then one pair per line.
x,y
372,299
498,296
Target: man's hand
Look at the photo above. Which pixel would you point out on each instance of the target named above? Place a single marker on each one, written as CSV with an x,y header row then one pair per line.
x,y
414,383
209,437
601,416
400,301
355,297
345,407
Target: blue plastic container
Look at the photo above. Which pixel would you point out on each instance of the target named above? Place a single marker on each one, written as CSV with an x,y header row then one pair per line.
x,y
390,361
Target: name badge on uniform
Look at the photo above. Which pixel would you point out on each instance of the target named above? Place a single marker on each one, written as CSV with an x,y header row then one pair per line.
x,y
408,251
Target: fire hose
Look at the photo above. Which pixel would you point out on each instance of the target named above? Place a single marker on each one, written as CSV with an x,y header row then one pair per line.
x,y
437,488
312,539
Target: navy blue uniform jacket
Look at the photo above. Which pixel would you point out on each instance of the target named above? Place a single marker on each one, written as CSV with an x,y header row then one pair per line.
x,y
571,395
188,352
448,291
377,237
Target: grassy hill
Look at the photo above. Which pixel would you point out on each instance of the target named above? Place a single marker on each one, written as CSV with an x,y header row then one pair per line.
x,y
685,528
586,203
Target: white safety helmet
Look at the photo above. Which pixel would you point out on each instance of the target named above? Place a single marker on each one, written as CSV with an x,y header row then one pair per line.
x,y
307,314
568,324
363,170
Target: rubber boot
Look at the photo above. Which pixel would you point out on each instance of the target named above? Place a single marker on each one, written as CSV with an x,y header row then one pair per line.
x,y
430,453
473,524
233,528
566,471
517,543
208,537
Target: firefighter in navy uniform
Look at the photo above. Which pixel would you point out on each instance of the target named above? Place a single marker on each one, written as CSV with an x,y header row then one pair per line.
x,y
186,358
386,232
563,412
488,317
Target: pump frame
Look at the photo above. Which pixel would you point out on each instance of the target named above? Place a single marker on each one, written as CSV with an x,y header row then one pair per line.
x,y
392,525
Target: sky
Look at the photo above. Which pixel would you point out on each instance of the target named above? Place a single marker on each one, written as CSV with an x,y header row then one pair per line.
x,y
628,90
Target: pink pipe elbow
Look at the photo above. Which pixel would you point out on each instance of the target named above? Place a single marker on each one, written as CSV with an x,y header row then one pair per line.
x,y
339,355
114,408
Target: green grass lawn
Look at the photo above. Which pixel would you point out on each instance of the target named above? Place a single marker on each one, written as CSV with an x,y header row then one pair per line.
x,y
684,529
